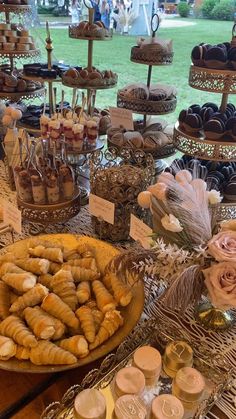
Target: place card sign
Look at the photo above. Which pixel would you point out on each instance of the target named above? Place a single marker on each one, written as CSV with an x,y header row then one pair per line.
x,y
12,216
141,232
121,118
101,208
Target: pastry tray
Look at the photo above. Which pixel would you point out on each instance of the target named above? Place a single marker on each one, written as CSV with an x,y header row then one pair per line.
x,y
216,372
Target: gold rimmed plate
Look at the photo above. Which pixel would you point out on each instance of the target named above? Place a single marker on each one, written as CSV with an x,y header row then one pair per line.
x,y
104,252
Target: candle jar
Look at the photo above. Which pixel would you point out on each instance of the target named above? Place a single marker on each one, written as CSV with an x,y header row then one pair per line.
x,y
177,355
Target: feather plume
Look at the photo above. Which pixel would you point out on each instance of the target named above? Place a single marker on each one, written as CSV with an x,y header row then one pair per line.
x,y
186,289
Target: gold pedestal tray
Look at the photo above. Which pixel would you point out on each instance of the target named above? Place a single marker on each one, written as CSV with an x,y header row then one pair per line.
x,y
20,54
202,148
41,79
212,80
158,153
147,107
16,96
104,252
50,213
140,56
70,82
17,9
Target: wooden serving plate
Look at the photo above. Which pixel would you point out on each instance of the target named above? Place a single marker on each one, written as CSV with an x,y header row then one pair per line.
x,y
104,252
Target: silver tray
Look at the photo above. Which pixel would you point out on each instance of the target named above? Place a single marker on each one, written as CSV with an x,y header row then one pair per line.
x,y
155,333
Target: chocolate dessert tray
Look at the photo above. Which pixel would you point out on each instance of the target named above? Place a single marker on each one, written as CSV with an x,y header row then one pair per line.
x,y
15,8
16,96
215,371
157,153
202,148
212,80
146,107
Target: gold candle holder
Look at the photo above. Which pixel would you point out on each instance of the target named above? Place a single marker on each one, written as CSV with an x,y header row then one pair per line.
x,y
177,355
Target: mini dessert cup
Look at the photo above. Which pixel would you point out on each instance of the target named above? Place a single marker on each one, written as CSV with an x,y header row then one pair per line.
x,y
54,126
148,360
166,406
38,189
23,185
68,132
44,121
129,380
53,189
78,140
91,404
67,182
92,133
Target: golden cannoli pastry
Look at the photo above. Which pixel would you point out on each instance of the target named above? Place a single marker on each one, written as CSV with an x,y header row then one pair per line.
x,y
9,267
53,305
122,293
21,282
106,279
83,292
70,254
83,274
8,257
46,280
87,322
34,242
22,353
63,285
30,298
111,323
98,317
105,301
35,265
53,254
54,268
4,300
88,263
77,345
13,297
47,353
59,327
42,326
7,348
15,328
85,250
91,304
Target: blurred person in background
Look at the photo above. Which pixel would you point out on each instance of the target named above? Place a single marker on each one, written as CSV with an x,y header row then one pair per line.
x,y
105,10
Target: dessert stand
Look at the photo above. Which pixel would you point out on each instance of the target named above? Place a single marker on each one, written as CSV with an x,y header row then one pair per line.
x,y
198,145
12,55
149,107
70,82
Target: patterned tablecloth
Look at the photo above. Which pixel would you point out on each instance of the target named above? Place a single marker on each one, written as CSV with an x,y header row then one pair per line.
x,y
223,343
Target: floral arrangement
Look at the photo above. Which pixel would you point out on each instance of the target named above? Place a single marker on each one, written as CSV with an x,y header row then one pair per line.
x,y
190,253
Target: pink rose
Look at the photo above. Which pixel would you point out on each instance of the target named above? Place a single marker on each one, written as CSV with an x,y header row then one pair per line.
x,y
222,246
220,280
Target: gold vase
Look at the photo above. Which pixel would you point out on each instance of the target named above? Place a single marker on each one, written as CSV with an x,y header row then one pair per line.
x,y
214,318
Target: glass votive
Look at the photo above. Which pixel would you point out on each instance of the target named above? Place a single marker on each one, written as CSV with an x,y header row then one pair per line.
x,y
178,354
188,386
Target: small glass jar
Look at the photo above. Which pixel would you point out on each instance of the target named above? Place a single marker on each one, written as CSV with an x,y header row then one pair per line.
x,y
67,125
67,182
23,185
44,121
53,188
92,133
78,140
38,189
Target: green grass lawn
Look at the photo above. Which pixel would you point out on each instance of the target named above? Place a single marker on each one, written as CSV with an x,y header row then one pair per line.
x,y
115,55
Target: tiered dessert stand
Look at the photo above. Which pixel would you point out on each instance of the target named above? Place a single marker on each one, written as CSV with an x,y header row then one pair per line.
x,y
151,107
91,89
7,10
199,146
